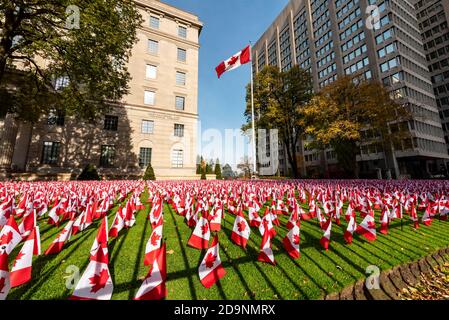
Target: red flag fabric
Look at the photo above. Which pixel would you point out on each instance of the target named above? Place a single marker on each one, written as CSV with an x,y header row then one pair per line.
x,y
234,62
210,269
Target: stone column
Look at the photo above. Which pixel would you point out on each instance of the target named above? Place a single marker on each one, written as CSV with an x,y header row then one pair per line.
x,y
8,136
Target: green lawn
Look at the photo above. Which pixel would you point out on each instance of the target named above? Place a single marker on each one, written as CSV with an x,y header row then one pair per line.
x,y
312,276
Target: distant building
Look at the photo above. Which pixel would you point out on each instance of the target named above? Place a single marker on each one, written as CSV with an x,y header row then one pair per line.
x,y
331,38
156,122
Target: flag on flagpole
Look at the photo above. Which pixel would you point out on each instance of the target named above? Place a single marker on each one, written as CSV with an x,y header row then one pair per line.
x,y
234,62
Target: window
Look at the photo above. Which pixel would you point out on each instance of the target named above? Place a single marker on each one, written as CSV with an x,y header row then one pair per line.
x,y
144,157
180,103
55,118
182,55
177,158
182,32
61,82
147,126
151,72
180,78
153,46
110,123
149,97
107,156
179,130
154,22
50,152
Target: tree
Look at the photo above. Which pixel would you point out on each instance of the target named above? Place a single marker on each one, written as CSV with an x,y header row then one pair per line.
x,y
344,111
89,173
245,166
149,173
218,170
278,100
199,160
85,64
203,169
228,173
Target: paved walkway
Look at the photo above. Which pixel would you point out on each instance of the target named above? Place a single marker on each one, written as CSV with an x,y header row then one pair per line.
x,y
394,280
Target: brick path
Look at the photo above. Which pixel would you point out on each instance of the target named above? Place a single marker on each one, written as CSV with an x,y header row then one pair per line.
x,y
392,281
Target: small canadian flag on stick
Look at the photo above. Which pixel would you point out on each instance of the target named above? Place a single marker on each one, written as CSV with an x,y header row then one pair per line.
x,y
235,61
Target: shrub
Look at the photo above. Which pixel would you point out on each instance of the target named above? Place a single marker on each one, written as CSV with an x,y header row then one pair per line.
x,y
89,173
149,173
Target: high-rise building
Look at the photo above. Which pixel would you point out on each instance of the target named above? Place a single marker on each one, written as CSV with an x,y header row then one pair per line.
x,y
372,39
155,123
433,17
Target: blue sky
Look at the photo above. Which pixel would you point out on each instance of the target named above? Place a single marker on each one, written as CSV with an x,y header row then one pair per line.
x,y
228,27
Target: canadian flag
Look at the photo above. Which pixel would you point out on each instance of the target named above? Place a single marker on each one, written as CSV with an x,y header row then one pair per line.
x,y
215,221
210,269
240,230
28,223
367,227
58,243
326,238
9,238
350,211
129,218
21,270
384,220
254,218
153,245
294,216
118,224
96,282
5,211
266,253
292,240
155,212
153,287
234,62
267,218
427,217
200,235
352,226
414,216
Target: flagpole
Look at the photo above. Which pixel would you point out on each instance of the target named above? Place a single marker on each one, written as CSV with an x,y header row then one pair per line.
x,y
252,111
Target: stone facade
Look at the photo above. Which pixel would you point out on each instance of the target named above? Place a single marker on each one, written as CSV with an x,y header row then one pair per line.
x,y
156,121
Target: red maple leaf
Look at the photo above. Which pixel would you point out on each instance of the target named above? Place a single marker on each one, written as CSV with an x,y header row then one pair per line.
x,y
19,256
6,238
204,228
210,259
233,60
99,281
296,239
154,239
241,226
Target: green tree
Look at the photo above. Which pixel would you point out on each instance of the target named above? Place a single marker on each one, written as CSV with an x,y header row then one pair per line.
x,y
218,170
348,111
278,100
89,173
149,173
199,160
203,169
90,57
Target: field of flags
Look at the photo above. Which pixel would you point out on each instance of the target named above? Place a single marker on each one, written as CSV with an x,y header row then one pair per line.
x,y
211,239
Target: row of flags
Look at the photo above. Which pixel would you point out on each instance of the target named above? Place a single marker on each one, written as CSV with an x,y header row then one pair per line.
x,y
203,206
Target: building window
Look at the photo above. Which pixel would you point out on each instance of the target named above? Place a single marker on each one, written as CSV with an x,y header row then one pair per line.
x,y
182,55
147,126
61,82
151,72
55,118
144,157
180,78
177,158
50,152
149,97
182,32
153,46
154,22
111,123
180,103
107,156
179,130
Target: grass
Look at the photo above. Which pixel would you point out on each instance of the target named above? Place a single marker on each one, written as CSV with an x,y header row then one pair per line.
x,y
312,276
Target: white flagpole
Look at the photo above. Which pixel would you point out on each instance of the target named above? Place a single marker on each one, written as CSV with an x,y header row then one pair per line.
x,y
252,112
